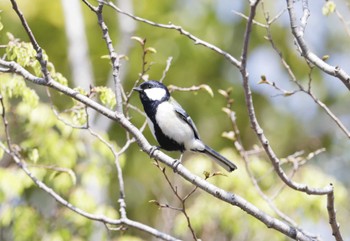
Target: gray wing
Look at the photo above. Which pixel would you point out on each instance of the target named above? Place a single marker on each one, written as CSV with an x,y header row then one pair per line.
x,y
183,115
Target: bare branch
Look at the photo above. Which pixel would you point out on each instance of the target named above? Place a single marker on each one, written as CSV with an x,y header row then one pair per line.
x,y
182,200
246,18
38,49
255,125
343,21
332,217
196,40
243,153
6,124
301,87
335,71
115,59
167,67
306,15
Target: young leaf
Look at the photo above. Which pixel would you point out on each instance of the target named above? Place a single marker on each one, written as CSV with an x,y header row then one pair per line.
x,y
151,50
328,8
106,95
208,89
138,39
33,155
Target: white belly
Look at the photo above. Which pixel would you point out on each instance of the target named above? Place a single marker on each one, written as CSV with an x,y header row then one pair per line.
x,y
176,128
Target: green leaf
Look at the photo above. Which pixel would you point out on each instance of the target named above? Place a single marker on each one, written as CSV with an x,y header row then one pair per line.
x,y
60,181
138,39
229,135
223,93
15,87
106,56
33,155
328,8
79,116
151,50
106,95
208,89
60,79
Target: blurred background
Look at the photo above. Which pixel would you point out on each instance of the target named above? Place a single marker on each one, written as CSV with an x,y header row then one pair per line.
x,y
69,33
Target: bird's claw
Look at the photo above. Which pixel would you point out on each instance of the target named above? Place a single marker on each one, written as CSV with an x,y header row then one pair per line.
x,y
153,149
175,165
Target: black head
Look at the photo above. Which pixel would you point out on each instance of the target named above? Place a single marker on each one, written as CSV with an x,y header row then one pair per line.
x,y
153,91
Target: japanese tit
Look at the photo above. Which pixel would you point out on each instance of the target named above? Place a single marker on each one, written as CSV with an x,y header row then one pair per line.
x,y
171,126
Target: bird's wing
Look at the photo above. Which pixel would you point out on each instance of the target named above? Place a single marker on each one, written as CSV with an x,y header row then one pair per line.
x,y
183,115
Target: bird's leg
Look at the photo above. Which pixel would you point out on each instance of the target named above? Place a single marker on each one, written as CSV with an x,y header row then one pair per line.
x,y
176,163
153,149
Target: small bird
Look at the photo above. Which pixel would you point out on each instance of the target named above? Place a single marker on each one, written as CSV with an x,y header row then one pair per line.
x,y
171,126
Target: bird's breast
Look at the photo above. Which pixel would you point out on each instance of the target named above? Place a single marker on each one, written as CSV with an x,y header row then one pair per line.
x,y
176,128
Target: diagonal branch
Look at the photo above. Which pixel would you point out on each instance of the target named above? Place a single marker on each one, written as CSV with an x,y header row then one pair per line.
x,y
36,46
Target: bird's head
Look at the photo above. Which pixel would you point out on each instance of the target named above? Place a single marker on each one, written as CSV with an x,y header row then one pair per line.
x,y
153,91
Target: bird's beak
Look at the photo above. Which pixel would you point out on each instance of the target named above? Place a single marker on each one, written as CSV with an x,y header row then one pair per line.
x,y
138,89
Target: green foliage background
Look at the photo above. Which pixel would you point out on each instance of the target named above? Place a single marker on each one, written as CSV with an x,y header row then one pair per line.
x,y
88,178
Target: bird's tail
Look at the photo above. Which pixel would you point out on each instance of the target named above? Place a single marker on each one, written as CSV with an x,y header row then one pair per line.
x,y
219,159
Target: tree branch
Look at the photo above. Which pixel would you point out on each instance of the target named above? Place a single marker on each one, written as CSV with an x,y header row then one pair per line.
x,y
333,217
115,60
38,49
196,40
306,52
255,124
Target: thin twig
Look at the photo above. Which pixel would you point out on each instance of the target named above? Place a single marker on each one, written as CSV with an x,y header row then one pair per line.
x,y
343,21
301,87
167,67
297,31
115,59
333,217
121,200
196,40
6,124
36,46
58,115
243,153
246,18
181,199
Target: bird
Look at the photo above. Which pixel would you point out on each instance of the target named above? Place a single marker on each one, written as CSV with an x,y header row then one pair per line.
x,y
170,124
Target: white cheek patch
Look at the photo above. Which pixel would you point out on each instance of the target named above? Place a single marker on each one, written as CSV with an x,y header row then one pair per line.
x,y
155,93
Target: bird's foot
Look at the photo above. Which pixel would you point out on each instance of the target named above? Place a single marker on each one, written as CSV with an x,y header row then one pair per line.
x,y
175,165
153,149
